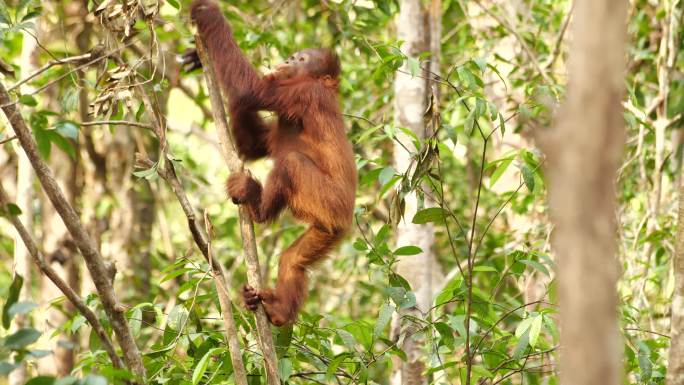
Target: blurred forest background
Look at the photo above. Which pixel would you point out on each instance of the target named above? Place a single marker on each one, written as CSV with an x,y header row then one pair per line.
x,y
475,184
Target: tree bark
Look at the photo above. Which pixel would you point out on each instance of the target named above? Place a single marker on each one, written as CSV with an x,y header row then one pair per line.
x,y
675,371
88,249
25,194
421,271
64,287
583,155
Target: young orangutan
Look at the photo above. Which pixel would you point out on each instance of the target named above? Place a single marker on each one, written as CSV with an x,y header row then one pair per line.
x,y
314,173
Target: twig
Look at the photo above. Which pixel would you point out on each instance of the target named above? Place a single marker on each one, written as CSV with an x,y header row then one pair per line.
x,y
50,64
93,259
246,227
118,123
520,40
239,373
69,293
11,138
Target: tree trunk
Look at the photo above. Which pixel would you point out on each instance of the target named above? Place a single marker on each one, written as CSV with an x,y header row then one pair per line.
x,y
421,271
24,199
583,153
675,371
60,255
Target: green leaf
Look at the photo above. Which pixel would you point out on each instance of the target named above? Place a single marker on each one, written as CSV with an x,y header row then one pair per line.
x,y
135,320
386,175
93,379
528,177
333,365
77,322
523,326
6,368
347,339
11,209
499,171
413,65
283,339
535,328
360,245
148,174
28,100
481,63
12,297
645,364
485,269
535,265
177,317
67,129
384,317
68,380
22,338
21,307
39,353
62,143
30,15
432,214
202,364
174,4
43,142
466,76
469,122
446,333
284,369
521,346
482,371
41,380
408,250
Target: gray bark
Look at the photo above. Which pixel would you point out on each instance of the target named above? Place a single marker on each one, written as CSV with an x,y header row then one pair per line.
x,y
85,244
583,153
421,271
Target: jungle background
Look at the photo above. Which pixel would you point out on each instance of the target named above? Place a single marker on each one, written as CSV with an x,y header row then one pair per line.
x,y
506,231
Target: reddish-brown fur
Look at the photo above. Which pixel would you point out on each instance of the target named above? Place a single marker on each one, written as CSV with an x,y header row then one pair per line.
x,y
314,173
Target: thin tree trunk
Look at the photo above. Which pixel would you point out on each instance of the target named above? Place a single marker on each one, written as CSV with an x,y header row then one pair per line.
x,y
60,254
583,153
25,194
675,371
421,271
93,258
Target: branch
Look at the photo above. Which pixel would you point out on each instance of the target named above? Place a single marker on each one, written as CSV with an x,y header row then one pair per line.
x,y
118,123
64,287
246,227
50,64
240,374
85,244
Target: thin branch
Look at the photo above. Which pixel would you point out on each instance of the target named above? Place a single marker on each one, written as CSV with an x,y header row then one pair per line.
x,y
68,291
520,40
6,140
118,123
231,334
50,64
93,259
246,227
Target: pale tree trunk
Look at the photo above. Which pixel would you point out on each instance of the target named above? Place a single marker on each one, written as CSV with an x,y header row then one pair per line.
x,y
675,371
24,199
60,253
583,153
421,271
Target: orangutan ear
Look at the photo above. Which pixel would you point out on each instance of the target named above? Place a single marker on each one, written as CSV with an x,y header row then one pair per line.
x,y
329,81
